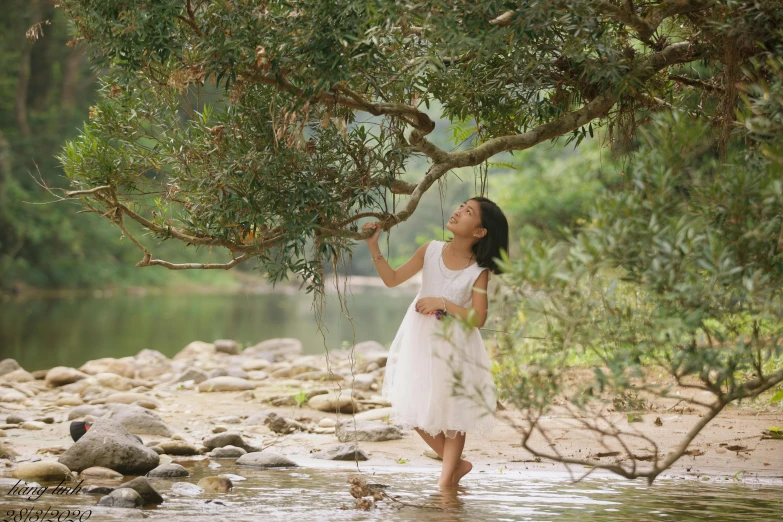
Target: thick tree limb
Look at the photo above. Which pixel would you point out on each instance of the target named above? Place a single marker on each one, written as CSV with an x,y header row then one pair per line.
x,y
646,27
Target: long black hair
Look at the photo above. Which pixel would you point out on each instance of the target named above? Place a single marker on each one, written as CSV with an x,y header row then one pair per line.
x,y
496,238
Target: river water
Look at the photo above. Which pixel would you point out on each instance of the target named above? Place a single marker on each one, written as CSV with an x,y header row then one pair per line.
x,y
43,333
319,491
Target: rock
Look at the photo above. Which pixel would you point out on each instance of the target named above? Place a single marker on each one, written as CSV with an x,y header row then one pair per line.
x,y
280,424
196,375
11,395
101,473
219,484
6,452
327,422
230,372
229,438
83,411
138,420
97,490
257,375
228,346
143,487
119,367
372,366
16,418
362,381
226,452
365,348
91,392
255,365
274,350
168,471
53,450
122,498
258,418
324,431
194,350
376,414
371,431
294,370
42,470
333,402
265,459
61,375
229,419
151,363
225,383
113,381
32,425
178,447
219,429
186,489
341,452
19,375
8,366
107,443
319,376
132,397
69,400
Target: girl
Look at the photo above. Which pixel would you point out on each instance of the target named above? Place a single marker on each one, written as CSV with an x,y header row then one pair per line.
x,y
440,384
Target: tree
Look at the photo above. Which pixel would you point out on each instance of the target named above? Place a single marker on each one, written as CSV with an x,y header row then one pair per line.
x,y
258,126
243,119
677,275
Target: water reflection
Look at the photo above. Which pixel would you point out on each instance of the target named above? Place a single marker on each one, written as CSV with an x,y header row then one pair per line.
x,y
321,493
43,333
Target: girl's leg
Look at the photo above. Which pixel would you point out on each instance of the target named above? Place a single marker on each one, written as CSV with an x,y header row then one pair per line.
x,y
436,443
452,449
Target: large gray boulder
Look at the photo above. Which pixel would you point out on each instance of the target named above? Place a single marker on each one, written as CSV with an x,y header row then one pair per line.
x,y
370,431
136,419
107,443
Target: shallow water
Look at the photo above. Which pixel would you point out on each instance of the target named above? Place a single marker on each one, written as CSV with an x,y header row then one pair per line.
x,y
319,492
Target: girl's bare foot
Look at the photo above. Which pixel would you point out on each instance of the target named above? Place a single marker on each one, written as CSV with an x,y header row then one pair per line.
x,y
462,470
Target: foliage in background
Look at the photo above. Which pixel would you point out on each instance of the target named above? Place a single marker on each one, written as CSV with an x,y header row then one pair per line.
x,y
46,88
680,269
549,193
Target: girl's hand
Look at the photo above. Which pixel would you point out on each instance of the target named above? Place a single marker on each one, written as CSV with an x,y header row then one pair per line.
x,y
373,239
429,305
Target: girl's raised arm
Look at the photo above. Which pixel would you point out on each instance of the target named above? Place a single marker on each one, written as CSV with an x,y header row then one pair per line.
x,y
390,276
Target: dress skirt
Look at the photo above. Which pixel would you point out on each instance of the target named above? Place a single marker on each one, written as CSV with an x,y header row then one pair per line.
x,y
438,377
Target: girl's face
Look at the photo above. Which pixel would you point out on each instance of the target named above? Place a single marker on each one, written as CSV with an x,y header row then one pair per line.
x,y
466,220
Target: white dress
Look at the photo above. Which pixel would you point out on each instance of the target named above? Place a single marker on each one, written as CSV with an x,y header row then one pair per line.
x,y
432,383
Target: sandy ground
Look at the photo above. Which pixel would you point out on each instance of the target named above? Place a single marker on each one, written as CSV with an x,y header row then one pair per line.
x,y
194,415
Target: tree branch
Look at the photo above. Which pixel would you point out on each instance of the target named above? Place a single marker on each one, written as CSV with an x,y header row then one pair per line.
x,y
675,53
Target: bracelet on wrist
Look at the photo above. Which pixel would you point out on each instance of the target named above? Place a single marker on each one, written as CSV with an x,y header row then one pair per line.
x,y
444,303
374,259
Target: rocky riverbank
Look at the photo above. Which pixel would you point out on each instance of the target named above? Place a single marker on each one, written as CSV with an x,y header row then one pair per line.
x,y
269,406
